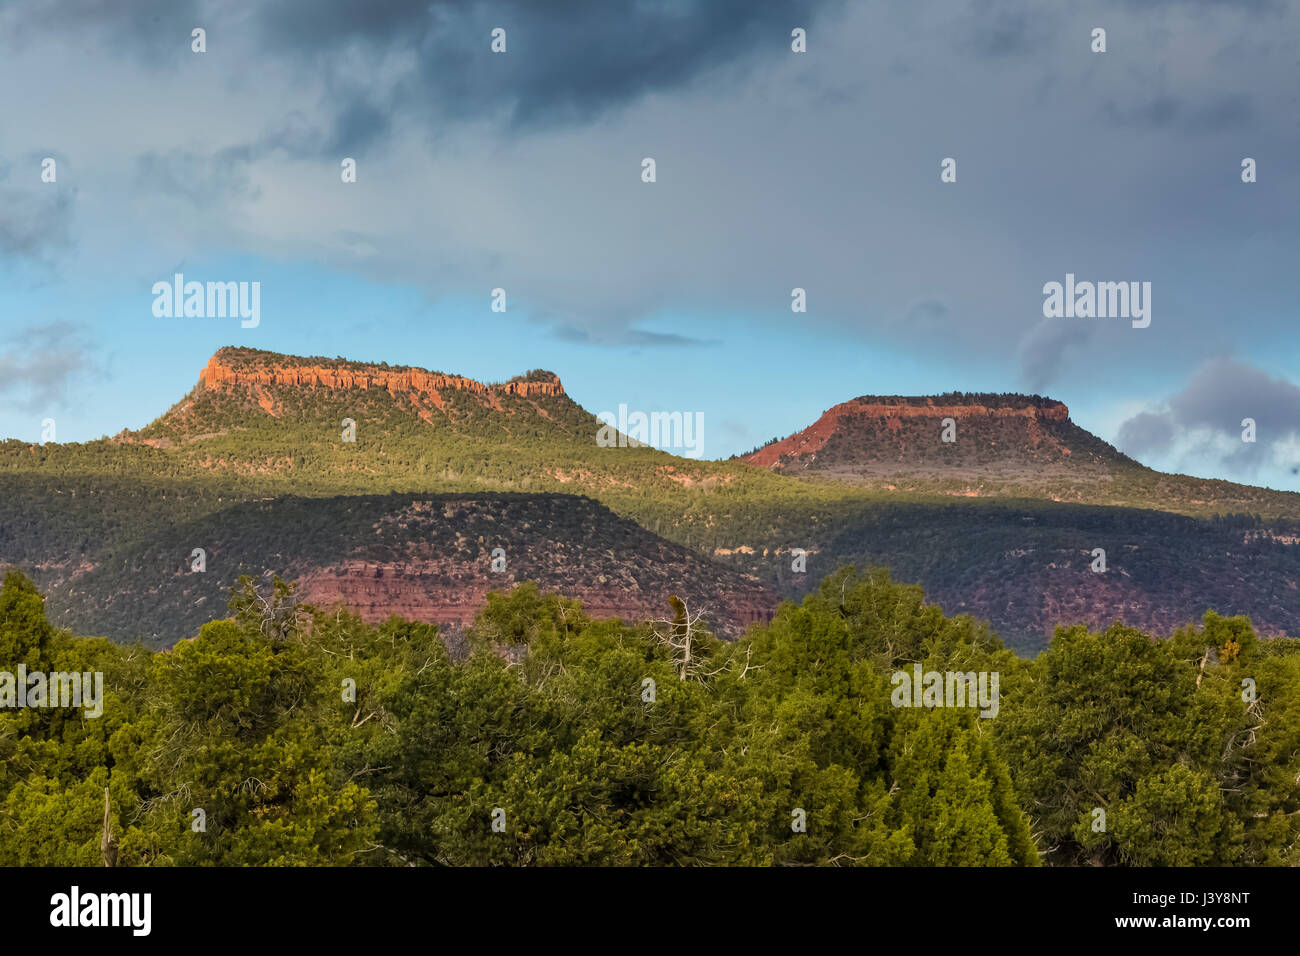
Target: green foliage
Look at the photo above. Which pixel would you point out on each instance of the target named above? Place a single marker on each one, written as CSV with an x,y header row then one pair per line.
x,y
311,738
1188,767
24,632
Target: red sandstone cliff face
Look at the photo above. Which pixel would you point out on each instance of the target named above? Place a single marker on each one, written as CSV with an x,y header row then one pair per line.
x,y
220,371
1019,437
864,414
569,546
450,594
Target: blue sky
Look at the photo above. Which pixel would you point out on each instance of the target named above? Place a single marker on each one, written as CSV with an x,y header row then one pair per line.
x,y
793,372
775,170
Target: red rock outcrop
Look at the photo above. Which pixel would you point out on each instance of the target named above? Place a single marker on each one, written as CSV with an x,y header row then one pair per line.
x,y
449,595
222,371
890,416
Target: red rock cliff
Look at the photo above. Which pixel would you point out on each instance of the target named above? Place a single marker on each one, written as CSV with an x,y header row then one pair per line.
x,y
891,413
221,371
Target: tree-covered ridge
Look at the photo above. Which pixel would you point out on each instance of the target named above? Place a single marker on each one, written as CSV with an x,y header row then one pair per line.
x,y
594,742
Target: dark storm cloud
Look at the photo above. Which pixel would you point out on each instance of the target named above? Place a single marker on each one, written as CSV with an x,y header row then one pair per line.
x,y
1224,390
1218,397
565,59
158,29
357,125
1146,432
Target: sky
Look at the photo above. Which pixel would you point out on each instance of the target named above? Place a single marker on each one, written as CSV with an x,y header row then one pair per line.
x,y
774,170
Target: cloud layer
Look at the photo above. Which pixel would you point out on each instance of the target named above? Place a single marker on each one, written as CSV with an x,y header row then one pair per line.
x,y
1230,415
39,362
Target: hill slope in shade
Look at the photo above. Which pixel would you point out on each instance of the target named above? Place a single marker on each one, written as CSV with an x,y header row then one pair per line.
x,y
422,558
1027,567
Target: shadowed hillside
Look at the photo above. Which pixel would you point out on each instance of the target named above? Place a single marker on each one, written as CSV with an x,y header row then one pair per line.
x,y
424,559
